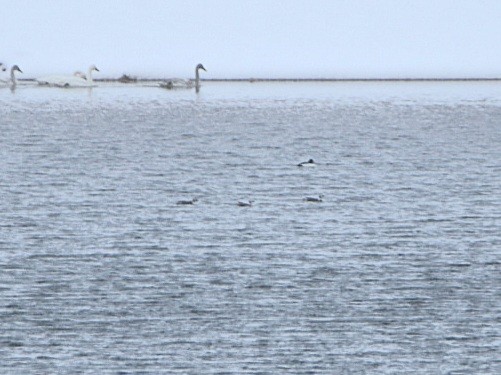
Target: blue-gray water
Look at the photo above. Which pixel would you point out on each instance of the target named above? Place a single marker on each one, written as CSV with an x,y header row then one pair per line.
x,y
397,271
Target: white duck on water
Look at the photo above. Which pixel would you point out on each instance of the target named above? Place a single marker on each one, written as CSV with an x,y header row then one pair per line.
x,y
78,79
178,83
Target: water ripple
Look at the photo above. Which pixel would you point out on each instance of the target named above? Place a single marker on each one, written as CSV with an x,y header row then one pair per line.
x,y
395,271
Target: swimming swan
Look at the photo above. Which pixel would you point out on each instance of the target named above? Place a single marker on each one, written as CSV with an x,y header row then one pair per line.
x,y
78,79
177,83
13,80
80,74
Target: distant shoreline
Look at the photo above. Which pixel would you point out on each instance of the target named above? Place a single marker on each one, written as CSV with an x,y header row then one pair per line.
x,y
257,80
251,80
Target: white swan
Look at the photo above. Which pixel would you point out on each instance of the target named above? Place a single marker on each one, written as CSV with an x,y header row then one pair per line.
x,y
177,83
80,74
78,79
12,82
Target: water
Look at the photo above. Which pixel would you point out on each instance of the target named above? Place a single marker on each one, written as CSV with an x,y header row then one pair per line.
x,y
397,271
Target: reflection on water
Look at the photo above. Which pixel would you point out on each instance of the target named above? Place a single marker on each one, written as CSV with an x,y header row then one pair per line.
x,y
395,271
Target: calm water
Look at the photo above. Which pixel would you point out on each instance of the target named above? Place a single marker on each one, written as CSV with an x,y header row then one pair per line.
x,y
397,271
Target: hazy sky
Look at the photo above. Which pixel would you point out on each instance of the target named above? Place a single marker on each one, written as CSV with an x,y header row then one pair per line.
x,y
254,38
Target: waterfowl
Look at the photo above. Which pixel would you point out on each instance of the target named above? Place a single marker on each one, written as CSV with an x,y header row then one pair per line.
x,y
78,79
314,199
244,204
309,163
80,75
186,202
178,83
3,68
13,80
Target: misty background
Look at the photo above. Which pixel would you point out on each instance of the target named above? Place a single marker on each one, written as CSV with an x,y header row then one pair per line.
x,y
255,38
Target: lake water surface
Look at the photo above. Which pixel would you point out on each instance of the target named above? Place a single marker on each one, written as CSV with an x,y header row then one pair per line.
x,y
396,271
